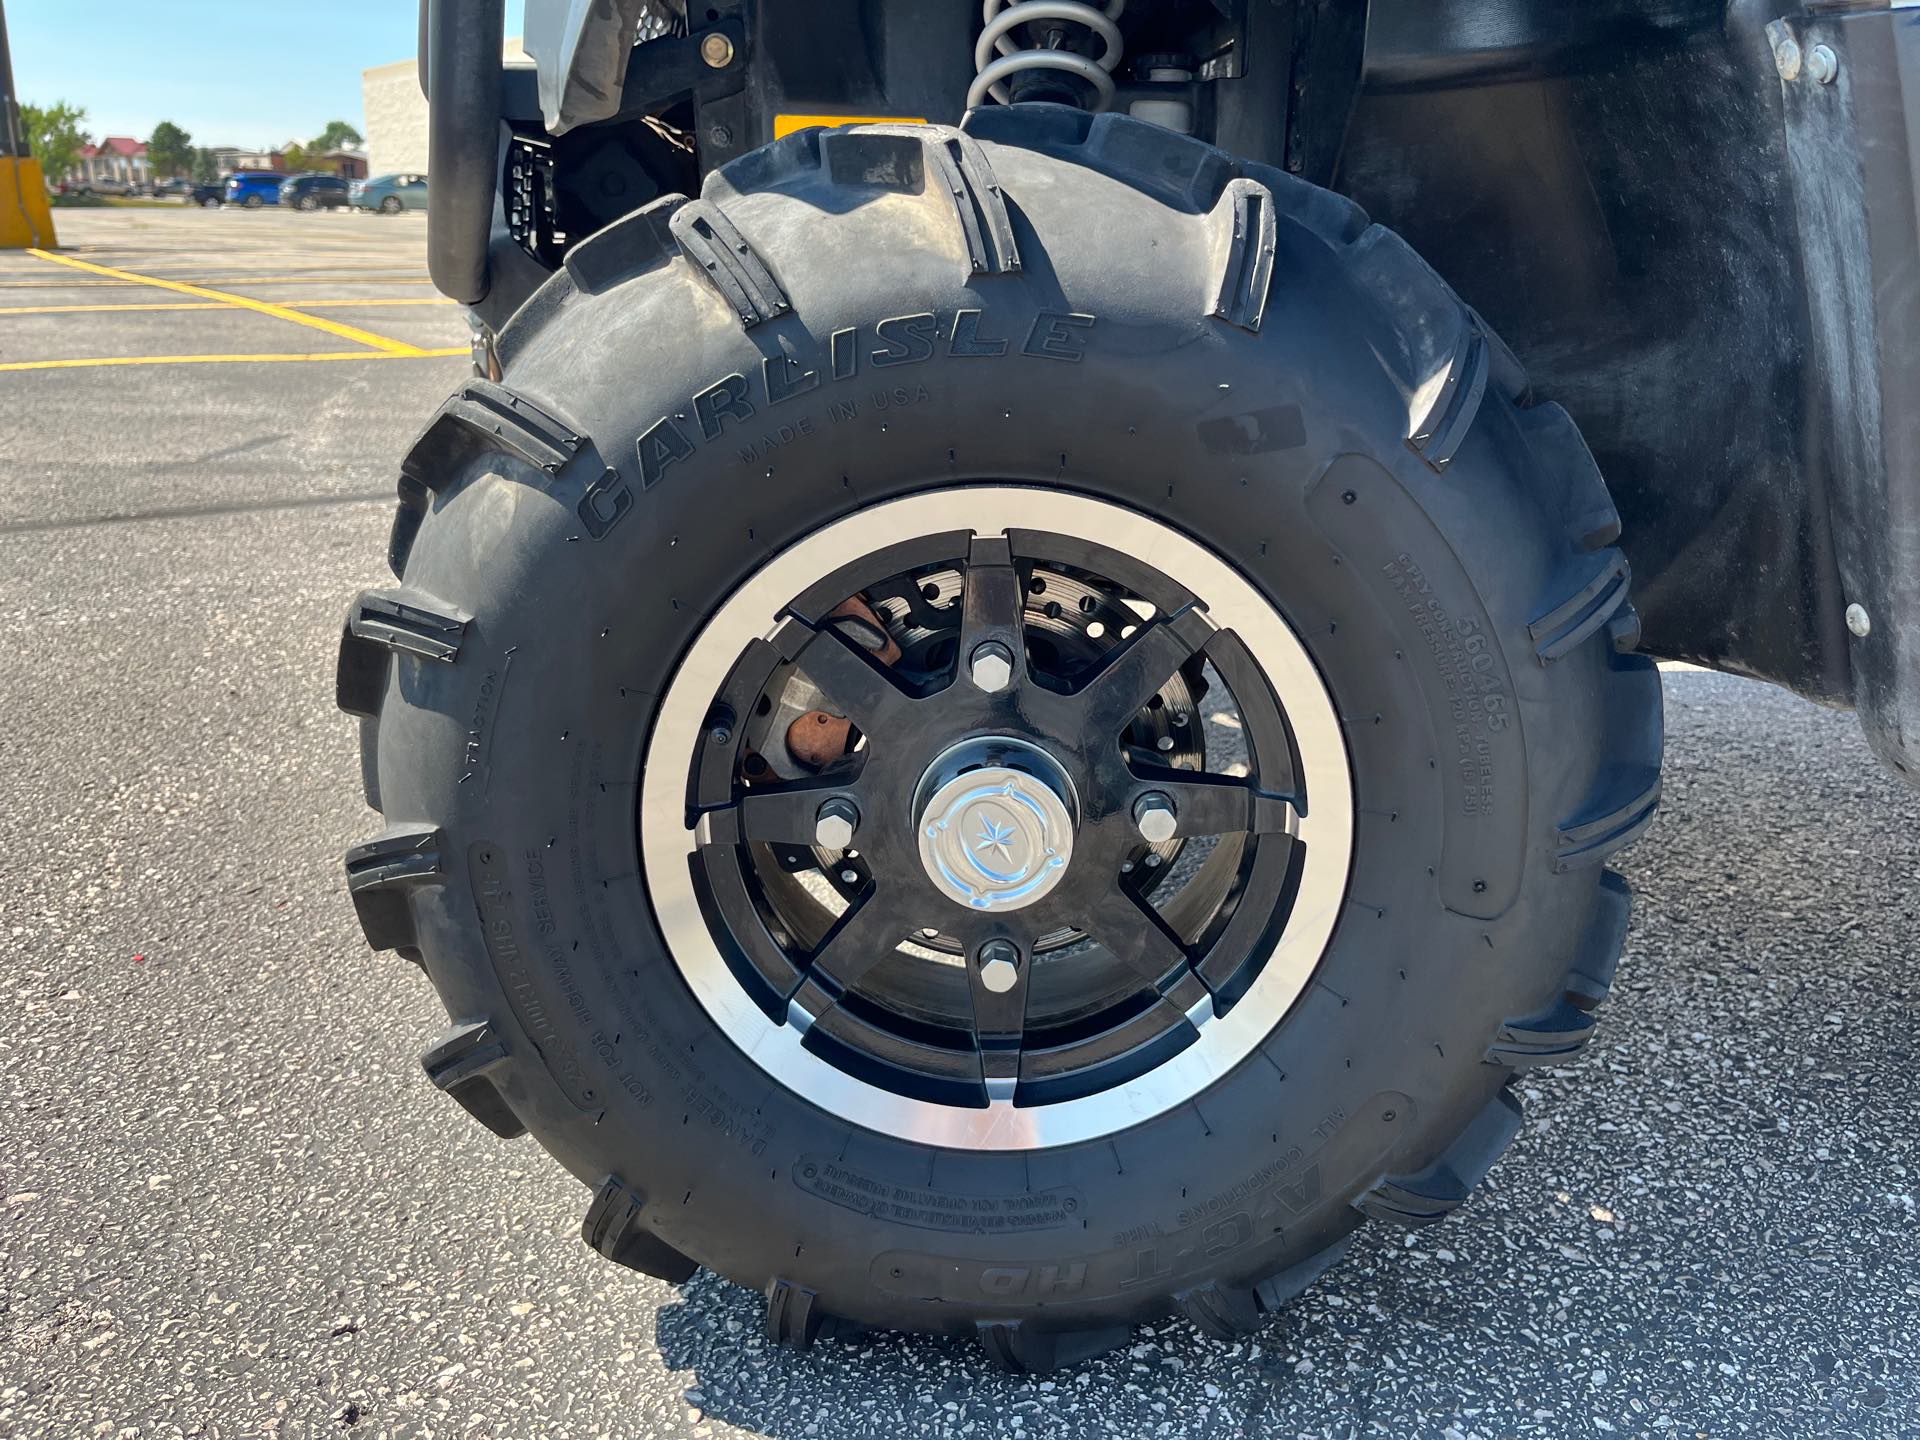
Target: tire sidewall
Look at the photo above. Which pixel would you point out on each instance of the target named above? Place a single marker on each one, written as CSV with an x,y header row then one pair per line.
x,y
527,754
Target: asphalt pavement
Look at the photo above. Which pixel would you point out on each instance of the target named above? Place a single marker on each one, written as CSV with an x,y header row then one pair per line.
x,y
230,1204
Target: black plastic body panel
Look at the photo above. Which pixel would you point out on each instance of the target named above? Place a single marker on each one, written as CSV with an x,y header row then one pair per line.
x,y
1617,203
1853,145
1715,271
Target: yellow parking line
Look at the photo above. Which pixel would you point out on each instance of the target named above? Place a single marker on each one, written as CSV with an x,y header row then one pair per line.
x,y
65,284
227,252
242,302
317,280
279,263
209,305
222,279
92,309
350,304
228,275
410,353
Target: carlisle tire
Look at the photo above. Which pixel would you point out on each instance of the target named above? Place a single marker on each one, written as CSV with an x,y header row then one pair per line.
x,y
1002,731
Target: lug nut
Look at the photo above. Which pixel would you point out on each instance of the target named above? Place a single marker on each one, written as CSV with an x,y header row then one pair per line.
x,y
717,51
834,824
999,966
1155,815
990,667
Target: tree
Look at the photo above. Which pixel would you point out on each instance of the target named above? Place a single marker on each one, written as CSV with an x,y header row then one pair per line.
x,y
297,158
206,169
337,133
169,149
54,136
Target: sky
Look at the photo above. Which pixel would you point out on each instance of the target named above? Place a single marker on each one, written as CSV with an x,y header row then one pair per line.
x,y
229,72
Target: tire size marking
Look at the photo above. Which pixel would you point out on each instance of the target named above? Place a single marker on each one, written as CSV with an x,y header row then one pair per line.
x,y
493,893
927,1209
1465,720
1463,654
731,407
1272,1174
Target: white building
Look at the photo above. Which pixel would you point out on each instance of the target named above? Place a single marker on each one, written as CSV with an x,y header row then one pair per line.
x,y
397,113
118,158
229,158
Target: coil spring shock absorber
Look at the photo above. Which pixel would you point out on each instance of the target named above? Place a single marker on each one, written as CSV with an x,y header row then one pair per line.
x,y
997,35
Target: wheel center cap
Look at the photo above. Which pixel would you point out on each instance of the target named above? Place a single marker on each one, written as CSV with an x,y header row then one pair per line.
x,y
996,824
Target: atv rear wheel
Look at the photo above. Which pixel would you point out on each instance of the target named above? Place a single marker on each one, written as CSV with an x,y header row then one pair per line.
x,y
1000,731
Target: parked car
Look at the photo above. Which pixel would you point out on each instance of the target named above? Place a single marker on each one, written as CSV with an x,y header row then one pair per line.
x,y
253,188
209,195
105,185
315,191
391,194
174,187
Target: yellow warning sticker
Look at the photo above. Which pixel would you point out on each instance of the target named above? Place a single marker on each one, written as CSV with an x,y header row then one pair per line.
x,y
785,125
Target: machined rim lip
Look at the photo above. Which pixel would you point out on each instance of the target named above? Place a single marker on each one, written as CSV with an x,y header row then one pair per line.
x,y
755,611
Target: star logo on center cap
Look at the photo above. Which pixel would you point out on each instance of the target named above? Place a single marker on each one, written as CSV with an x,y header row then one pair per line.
x,y
994,838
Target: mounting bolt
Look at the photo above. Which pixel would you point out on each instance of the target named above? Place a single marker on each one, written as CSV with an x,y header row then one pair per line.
x,y
1786,58
717,50
1859,621
1822,64
835,823
1153,812
990,667
999,966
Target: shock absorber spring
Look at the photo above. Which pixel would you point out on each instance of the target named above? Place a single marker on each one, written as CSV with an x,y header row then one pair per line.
x,y
997,35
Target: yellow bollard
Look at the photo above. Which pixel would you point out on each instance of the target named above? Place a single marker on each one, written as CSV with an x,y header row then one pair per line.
x,y
25,217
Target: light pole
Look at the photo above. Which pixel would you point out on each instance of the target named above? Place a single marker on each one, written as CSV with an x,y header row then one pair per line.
x,y
25,217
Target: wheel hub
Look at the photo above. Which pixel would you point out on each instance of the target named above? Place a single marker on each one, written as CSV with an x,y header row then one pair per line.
x,y
1080,913
996,824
